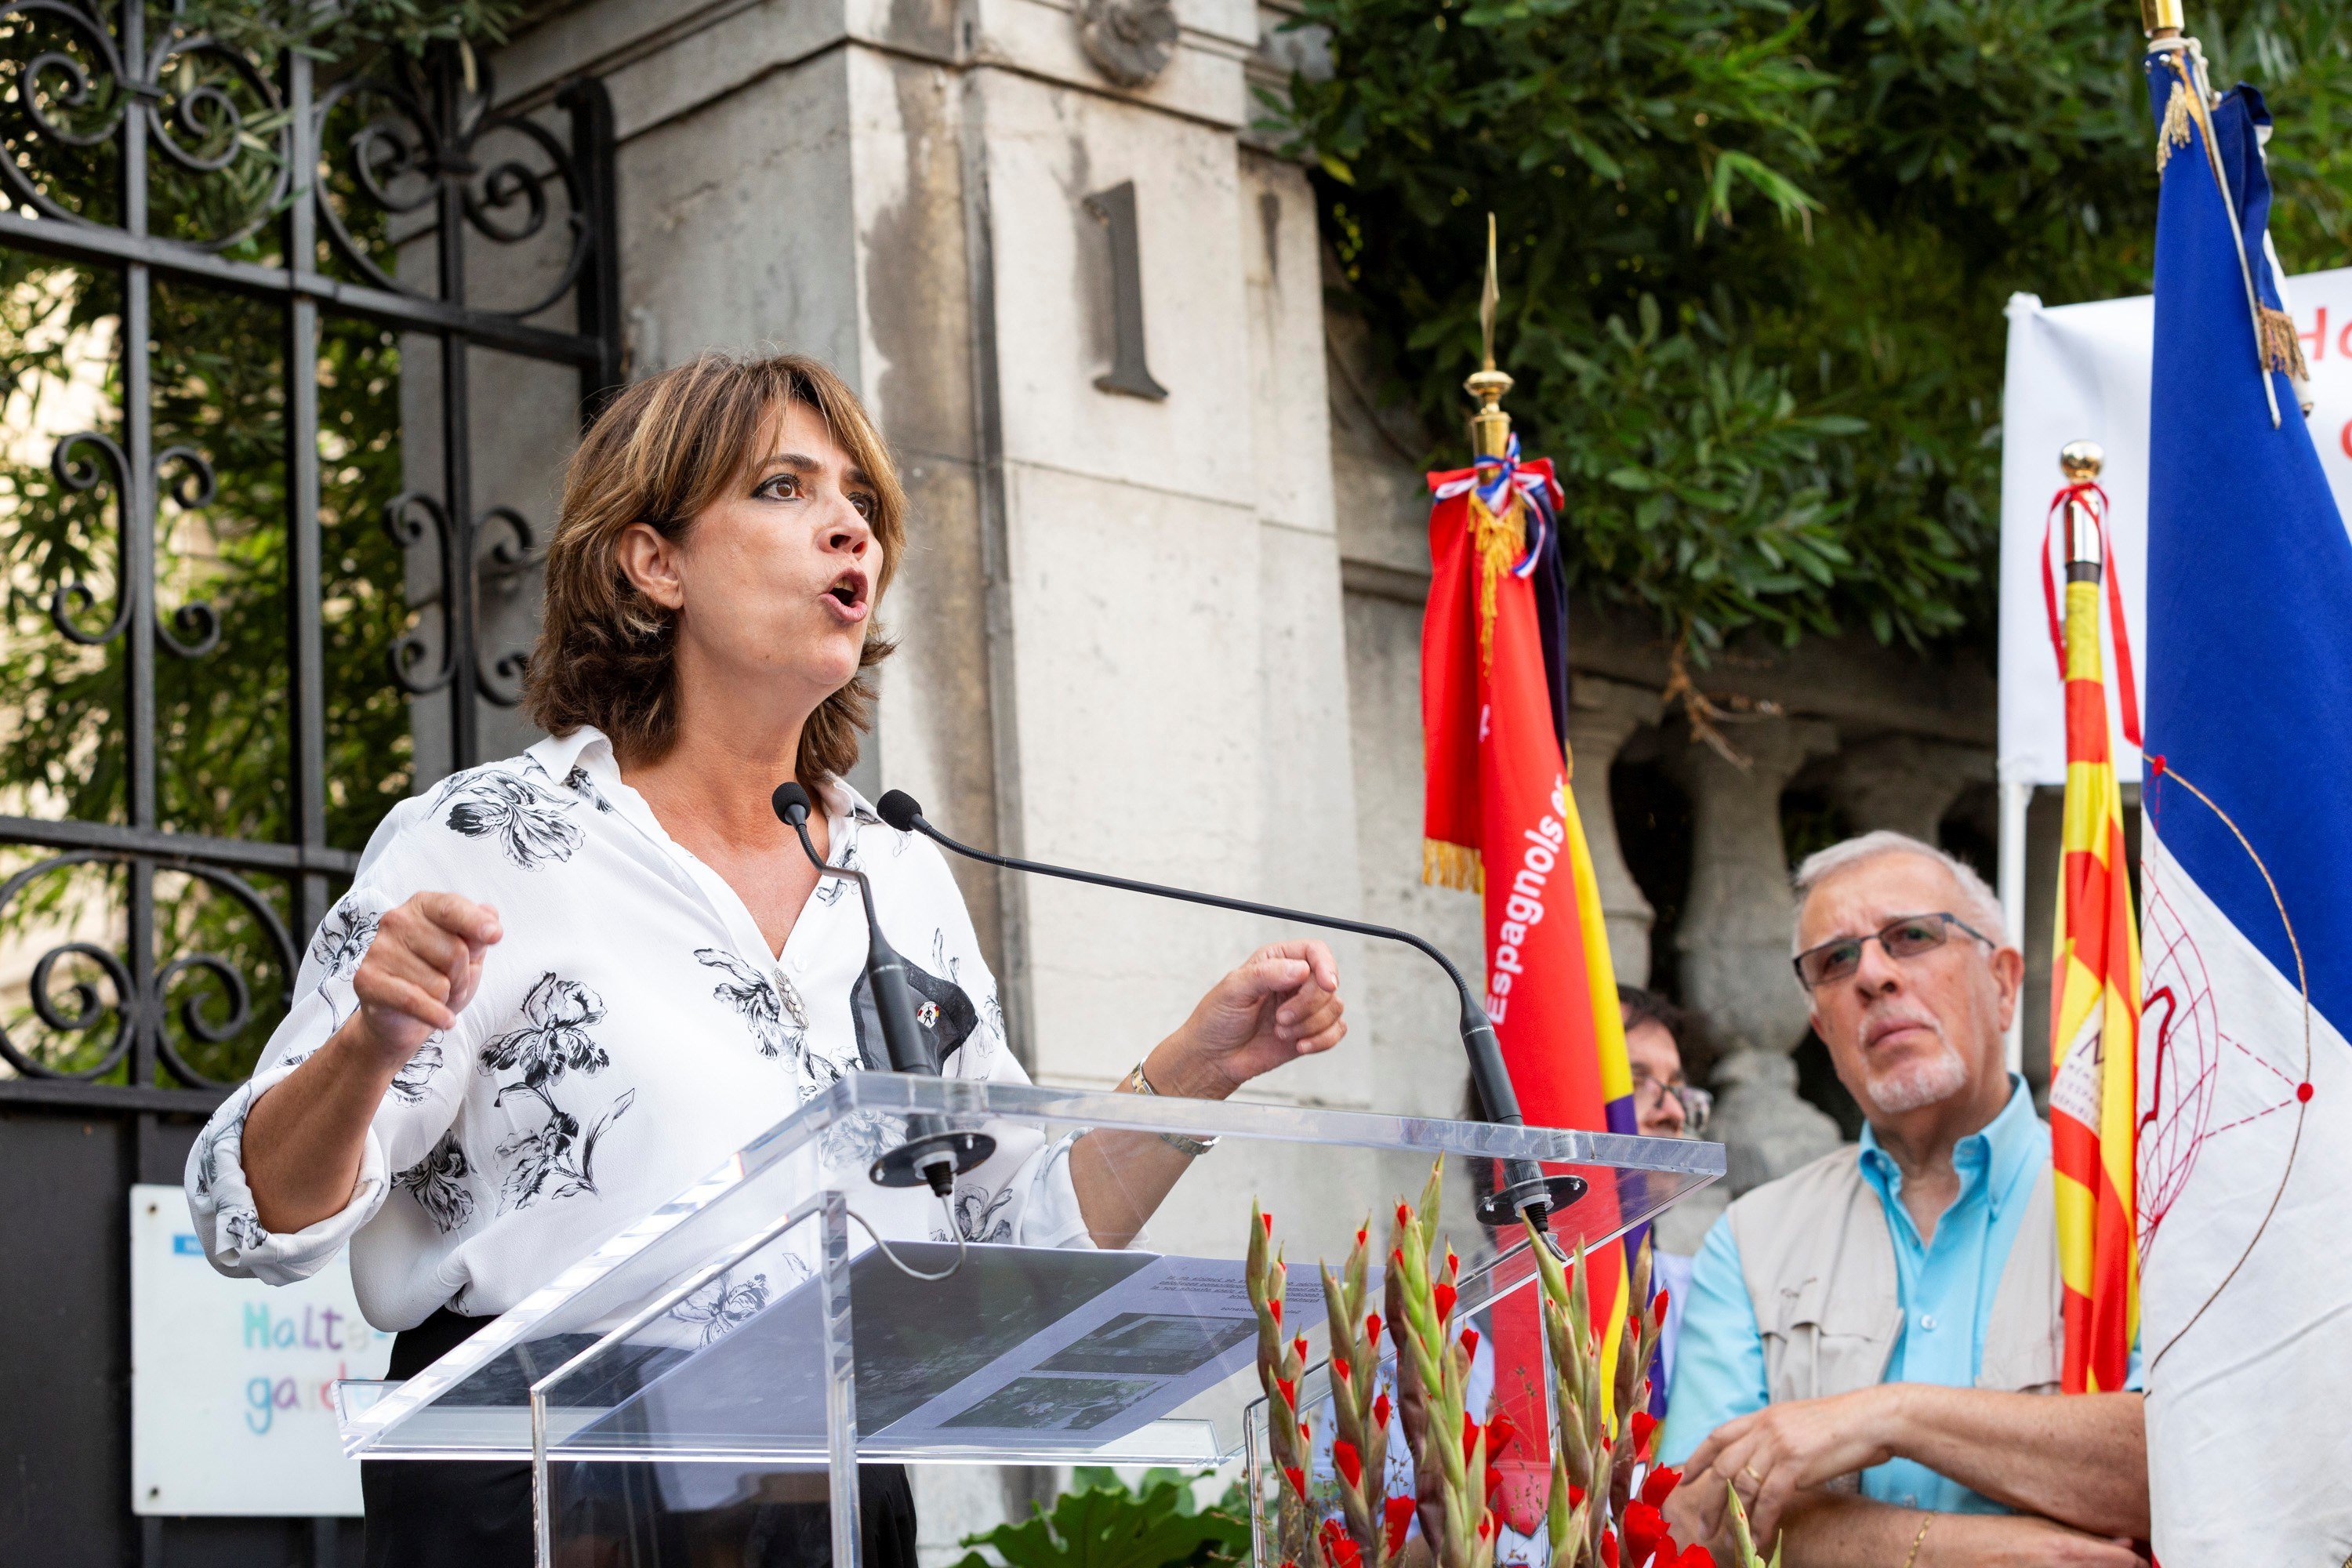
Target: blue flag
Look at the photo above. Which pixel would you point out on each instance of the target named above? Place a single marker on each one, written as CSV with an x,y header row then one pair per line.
x,y
2245,1148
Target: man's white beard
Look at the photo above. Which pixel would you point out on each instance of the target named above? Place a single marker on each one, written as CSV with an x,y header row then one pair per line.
x,y
1916,1085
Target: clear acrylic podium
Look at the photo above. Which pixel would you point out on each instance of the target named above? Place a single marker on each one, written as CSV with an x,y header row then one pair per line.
x,y
747,1344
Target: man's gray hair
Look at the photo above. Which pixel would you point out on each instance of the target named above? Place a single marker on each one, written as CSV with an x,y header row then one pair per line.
x,y
1979,905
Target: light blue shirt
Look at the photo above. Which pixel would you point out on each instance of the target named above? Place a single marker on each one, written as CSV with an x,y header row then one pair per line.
x,y
1946,1286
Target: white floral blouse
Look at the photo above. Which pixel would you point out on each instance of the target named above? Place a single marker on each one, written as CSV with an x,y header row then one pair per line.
x,y
630,1032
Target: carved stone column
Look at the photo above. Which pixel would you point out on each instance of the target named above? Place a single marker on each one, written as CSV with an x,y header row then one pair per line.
x,y
1734,942
1905,783
1601,715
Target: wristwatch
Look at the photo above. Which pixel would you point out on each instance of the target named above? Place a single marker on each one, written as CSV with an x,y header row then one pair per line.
x,y
1191,1148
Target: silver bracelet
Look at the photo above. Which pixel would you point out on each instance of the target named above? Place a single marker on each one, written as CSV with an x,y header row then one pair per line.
x,y
1191,1148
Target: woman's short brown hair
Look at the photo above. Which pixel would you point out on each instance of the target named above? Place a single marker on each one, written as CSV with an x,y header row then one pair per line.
x,y
659,453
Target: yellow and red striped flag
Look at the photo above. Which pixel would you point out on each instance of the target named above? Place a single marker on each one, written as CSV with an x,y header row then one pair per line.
x,y
2095,982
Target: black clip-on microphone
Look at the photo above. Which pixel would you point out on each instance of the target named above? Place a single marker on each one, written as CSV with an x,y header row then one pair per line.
x,y
1524,1190
934,1154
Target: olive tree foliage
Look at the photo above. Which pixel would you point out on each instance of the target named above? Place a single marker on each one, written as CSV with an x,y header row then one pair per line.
x,y
1754,257
222,716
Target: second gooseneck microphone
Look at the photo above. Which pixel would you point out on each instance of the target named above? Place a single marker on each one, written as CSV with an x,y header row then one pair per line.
x,y
1524,1190
932,1154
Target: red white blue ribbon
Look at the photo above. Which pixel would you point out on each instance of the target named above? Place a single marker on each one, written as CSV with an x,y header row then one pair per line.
x,y
1494,480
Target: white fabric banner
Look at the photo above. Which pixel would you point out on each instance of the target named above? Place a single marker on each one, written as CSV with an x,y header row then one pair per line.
x,y
2081,373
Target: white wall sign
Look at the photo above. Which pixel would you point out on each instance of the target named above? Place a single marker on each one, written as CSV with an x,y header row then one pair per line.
x,y
232,1381
2081,373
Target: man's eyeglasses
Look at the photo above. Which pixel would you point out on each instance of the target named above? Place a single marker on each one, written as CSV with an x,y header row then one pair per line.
x,y
1906,937
1698,1103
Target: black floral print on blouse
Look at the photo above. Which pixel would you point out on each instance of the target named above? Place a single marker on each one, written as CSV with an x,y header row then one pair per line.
x,y
723,1306
558,1158
772,1009
437,1182
527,822
554,1038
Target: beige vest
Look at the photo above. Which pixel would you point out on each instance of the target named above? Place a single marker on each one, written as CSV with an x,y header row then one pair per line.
x,y
1820,1267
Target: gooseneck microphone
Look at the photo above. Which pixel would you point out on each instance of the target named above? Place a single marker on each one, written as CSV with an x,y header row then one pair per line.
x,y
1524,1190
933,1155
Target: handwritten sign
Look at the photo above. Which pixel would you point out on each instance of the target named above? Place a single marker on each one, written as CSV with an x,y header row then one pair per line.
x,y
232,1381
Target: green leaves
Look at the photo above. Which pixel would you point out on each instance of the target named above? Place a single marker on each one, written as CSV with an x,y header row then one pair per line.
x,y
1790,426
1100,1523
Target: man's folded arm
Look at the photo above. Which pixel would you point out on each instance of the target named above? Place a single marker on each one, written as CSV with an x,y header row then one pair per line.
x,y
2081,1459
1837,1530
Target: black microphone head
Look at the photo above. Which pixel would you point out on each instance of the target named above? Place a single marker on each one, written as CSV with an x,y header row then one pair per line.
x,y
898,808
792,803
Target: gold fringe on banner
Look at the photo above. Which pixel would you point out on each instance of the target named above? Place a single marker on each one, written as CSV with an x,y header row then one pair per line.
x,y
2174,132
1499,542
2282,349
1455,866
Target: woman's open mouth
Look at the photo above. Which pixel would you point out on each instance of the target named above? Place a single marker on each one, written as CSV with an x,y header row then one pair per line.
x,y
848,593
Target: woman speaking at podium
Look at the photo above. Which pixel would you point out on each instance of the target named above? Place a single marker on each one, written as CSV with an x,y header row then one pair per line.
x,y
562,988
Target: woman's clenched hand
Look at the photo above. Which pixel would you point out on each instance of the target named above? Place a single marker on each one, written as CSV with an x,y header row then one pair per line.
x,y
424,966
1282,1003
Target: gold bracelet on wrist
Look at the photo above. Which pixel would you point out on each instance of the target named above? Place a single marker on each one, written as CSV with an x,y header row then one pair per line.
x,y
1912,1556
1191,1148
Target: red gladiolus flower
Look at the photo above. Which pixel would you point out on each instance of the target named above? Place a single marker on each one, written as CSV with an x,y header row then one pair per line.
x,y
1289,1392
1658,1304
1645,1427
1274,1311
1692,1557
1500,1431
1575,1494
1304,1435
1660,1485
1372,1328
1444,1295
1341,1370
1339,1549
1470,1343
1381,1409
1453,1264
1363,1233
1608,1548
1298,1348
1396,1514
1297,1479
1349,1464
1645,1527
1469,1437
1268,1220
1404,1214
1485,1525
1493,1484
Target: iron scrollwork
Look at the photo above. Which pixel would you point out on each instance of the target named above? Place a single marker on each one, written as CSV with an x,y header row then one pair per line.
x,y
402,156
137,1005
417,521
186,87
195,628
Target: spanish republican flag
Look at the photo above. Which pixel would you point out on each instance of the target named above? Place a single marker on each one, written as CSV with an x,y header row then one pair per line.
x,y
1499,819
2094,987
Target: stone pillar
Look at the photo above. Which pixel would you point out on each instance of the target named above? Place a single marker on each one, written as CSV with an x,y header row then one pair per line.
x,y
1734,942
1906,783
1601,715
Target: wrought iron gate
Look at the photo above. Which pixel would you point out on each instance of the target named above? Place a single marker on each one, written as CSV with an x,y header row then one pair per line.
x,y
173,179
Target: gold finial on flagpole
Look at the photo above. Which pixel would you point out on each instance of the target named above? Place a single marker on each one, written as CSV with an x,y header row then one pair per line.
x,y
1490,428
2161,18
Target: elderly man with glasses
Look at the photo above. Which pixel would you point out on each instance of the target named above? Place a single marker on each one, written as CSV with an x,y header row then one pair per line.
x,y
1867,1340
